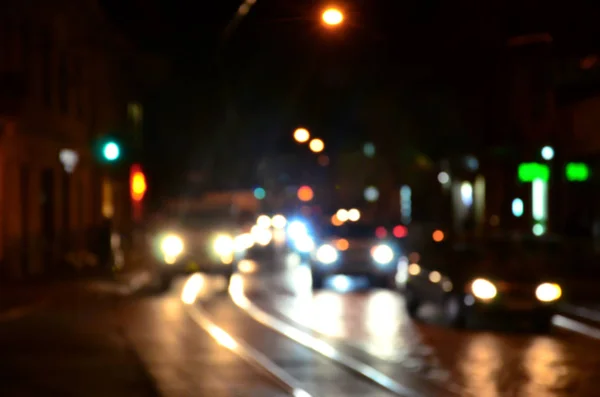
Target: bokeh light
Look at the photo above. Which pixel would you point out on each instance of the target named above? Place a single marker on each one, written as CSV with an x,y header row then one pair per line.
x,y
305,193
332,16
259,193
316,145
301,135
342,215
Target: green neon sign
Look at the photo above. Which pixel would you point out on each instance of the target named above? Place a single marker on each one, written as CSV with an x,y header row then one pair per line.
x,y
528,172
577,172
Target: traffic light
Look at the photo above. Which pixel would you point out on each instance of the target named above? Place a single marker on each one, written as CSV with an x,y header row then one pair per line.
x,y
137,183
111,151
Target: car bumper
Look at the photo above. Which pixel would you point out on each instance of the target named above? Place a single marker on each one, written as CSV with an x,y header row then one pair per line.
x,y
353,269
501,308
189,265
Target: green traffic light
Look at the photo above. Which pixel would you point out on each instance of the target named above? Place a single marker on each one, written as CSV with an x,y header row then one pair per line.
x,y
528,172
577,172
111,151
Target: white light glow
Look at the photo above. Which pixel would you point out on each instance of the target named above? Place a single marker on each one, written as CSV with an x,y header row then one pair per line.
x,y
466,194
547,153
539,189
517,207
354,215
69,159
443,177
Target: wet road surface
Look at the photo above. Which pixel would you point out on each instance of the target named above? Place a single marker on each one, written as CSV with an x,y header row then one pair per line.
x,y
86,344
71,345
374,326
182,358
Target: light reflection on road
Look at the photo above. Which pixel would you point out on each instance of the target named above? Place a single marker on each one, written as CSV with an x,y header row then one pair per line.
x,y
483,364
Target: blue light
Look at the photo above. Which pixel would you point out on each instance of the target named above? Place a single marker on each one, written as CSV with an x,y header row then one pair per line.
x,y
259,193
342,283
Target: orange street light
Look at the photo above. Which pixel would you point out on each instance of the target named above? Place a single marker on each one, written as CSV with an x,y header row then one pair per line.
x,y
332,16
301,135
316,145
305,193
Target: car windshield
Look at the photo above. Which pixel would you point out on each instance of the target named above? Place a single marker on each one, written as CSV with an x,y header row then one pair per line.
x,y
524,259
350,231
523,248
198,218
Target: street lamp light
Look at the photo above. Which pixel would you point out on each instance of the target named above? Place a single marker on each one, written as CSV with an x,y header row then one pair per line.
x,y
332,16
301,135
316,145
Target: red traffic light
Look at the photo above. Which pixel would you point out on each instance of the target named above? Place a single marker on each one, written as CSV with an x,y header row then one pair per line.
x,y
137,183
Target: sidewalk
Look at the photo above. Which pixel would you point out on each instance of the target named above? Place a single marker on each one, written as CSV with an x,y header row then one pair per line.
x,y
133,275
74,348
20,296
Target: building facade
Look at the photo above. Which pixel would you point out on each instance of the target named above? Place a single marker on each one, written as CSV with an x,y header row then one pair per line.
x,y
60,88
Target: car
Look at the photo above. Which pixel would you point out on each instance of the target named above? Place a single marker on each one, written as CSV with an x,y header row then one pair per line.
x,y
354,249
480,279
195,242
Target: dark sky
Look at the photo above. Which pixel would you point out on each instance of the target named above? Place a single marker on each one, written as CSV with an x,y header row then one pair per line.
x,y
396,72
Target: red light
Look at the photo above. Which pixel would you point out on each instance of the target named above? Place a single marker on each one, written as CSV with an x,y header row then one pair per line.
x,y
400,231
380,232
137,183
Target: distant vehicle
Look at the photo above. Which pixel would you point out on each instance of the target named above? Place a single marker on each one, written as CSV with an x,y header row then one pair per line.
x,y
499,276
355,249
201,234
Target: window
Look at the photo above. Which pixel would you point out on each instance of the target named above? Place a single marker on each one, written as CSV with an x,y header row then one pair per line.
x,y
539,93
46,52
26,55
93,113
63,84
78,84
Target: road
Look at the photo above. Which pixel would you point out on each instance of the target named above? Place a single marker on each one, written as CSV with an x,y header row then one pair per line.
x,y
270,336
373,325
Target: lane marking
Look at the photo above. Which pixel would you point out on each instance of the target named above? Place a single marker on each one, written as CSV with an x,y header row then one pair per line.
x,y
366,371
236,345
576,326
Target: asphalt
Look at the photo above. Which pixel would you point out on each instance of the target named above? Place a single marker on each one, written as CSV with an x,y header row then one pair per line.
x,y
71,347
373,327
99,338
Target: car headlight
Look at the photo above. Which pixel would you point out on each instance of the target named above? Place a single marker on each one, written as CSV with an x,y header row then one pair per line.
x,y
326,254
243,242
548,292
171,245
297,230
382,254
304,244
224,245
484,289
